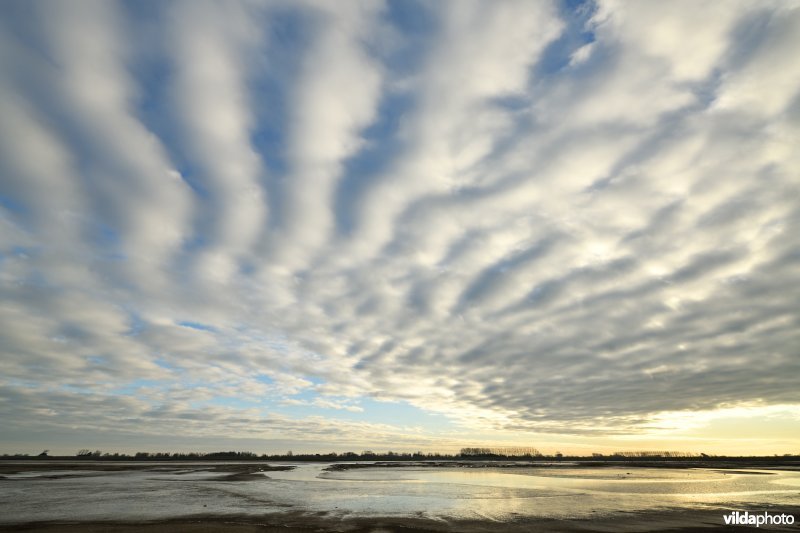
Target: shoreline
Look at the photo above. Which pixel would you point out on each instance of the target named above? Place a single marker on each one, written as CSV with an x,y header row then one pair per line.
x,y
678,465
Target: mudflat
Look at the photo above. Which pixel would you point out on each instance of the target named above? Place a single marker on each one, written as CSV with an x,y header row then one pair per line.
x,y
381,497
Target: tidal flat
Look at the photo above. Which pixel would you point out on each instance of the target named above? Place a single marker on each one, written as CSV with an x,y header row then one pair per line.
x,y
380,497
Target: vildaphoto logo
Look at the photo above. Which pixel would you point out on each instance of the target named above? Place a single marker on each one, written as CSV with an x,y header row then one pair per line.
x,y
747,518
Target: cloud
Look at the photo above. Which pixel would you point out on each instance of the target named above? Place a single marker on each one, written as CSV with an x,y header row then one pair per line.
x,y
211,60
334,98
534,221
324,403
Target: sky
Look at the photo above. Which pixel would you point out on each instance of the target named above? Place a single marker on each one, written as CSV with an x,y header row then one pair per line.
x,y
401,225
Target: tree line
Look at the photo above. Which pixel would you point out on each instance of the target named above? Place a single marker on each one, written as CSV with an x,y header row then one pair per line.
x,y
465,454
501,452
645,454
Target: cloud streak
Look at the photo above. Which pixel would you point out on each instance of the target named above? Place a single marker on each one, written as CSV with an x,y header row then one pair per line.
x,y
274,220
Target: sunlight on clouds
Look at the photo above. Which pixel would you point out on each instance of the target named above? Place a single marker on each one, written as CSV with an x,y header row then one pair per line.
x,y
750,422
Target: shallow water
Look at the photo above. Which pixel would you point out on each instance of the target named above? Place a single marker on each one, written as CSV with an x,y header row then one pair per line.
x,y
439,493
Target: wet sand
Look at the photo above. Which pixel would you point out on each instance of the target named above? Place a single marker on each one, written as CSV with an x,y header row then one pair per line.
x,y
236,471
101,466
292,522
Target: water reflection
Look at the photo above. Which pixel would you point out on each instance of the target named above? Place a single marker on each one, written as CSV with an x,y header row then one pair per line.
x,y
542,492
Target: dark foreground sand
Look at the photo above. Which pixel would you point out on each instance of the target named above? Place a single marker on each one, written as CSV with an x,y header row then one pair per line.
x,y
292,522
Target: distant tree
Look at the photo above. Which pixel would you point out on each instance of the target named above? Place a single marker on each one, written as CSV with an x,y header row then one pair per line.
x,y
44,453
